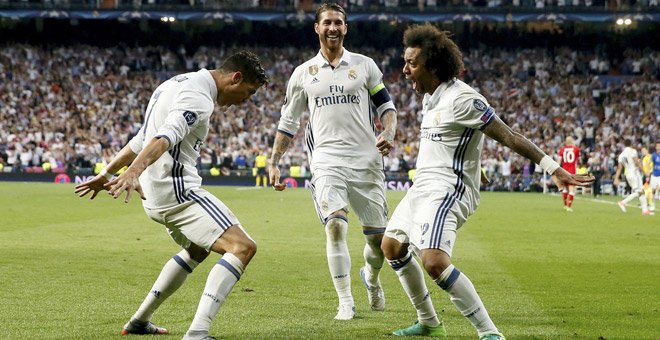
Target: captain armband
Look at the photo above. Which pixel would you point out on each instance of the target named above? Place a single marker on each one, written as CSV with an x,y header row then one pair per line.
x,y
381,99
548,164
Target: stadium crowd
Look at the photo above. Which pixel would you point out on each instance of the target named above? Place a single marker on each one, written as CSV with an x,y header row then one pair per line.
x,y
72,108
352,5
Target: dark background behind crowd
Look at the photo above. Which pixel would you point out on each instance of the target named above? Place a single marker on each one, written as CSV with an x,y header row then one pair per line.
x,y
72,93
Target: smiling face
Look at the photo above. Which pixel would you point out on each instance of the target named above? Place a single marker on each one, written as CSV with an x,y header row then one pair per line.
x,y
414,68
331,28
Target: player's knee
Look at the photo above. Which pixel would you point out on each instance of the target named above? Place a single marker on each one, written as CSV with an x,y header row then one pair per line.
x,y
197,253
243,248
335,229
435,265
393,249
374,241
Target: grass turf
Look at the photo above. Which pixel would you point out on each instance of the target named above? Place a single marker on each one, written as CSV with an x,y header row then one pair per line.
x,y
73,268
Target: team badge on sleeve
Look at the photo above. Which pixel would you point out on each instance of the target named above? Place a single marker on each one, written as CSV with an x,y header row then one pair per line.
x,y
190,117
479,105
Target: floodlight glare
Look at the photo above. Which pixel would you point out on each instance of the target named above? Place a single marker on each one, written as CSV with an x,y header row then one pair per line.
x,y
619,21
627,21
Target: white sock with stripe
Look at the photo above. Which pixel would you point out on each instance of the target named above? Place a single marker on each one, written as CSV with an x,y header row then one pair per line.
x,y
339,260
463,295
221,280
412,280
171,277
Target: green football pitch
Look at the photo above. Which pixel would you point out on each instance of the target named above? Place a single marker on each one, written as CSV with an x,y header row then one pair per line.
x,y
71,268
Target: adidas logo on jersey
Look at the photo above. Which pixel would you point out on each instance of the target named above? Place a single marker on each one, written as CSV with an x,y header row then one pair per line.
x,y
314,81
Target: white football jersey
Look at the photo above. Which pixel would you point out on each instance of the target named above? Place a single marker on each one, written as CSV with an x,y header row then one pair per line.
x,y
178,111
341,130
451,140
627,159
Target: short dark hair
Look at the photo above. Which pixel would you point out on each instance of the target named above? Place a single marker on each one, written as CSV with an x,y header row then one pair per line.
x,y
440,53
627,142
329,6
248,64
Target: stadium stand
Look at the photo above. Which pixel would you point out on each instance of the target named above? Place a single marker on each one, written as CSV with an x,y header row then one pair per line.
x,y
66,106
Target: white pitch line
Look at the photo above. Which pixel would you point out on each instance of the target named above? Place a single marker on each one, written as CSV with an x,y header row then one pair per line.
x,y
248,188
598,200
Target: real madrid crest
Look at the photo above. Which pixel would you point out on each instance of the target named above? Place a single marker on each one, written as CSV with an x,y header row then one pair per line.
x,y
352,74
314,69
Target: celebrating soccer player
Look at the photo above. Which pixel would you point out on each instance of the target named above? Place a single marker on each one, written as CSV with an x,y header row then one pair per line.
x,y
344,155
446,188
162,158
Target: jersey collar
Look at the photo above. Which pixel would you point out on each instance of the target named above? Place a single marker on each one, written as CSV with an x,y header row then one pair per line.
x,y
433,99
214,89
345,59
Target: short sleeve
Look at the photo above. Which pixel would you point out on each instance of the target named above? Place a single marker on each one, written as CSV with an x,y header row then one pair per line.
x,y
295,103
188,109
136,142
472,110
374,75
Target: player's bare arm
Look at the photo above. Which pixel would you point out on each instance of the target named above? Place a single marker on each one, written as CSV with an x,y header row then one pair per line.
x,y
129,180
95,185
280,146
385,141
522,146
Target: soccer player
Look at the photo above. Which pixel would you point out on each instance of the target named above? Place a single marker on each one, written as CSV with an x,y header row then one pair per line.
x,y
446,188
647,169
260,162
344,153
629,161
162,159
655,174
569,156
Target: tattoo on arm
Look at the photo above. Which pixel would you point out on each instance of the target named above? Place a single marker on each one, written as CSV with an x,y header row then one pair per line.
x,y
514,140
280,146
389,124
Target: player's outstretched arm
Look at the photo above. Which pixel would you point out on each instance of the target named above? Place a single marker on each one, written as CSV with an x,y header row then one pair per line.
x,y
129,180
280,146
563,178
522,146
96,184
385,141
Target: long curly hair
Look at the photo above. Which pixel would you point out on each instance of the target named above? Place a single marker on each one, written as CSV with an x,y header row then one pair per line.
x,y
441,55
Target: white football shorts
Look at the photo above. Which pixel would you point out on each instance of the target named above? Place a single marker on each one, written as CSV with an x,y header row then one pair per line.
x,y
201,220
427,220
364,189
635,182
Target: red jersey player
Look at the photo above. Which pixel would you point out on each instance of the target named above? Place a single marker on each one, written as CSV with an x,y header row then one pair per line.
x,y
569,155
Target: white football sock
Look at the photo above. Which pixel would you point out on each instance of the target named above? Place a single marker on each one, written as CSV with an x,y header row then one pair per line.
x,y
644,202
171,277
373,255
630,197
221,280
412,280
339,261
463,295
